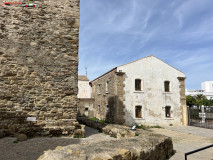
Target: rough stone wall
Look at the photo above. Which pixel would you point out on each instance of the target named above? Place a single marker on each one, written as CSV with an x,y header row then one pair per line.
x,y
39,67
86,103
120,112
183,100
126,145
105,98
111,101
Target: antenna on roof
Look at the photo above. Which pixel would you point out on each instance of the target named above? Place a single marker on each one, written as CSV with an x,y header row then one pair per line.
x,y
86,70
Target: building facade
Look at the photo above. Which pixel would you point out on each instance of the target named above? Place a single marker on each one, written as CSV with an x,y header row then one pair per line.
x,y
146,91
206,90
85,101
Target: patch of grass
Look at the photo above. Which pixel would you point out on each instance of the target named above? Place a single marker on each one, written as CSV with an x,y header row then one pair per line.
x,y
156,126
15,141
113,136
94,119
97,120
137,134
83,115
78,136
147,127
142,127
101,121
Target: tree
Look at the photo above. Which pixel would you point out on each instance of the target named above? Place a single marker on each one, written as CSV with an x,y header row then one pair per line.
x,y
201,100
190,101
211,102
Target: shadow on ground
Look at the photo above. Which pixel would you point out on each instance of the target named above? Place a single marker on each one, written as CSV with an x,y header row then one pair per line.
x,y
31,149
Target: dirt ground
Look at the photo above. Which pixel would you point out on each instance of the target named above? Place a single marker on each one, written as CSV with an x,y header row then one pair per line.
x,y
33,148
186,139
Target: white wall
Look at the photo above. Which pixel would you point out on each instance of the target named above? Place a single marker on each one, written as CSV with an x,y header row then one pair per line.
x,y
209,95
84,89
207,86
153,72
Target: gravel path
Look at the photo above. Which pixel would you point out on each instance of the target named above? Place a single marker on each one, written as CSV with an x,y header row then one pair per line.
x,y
186,139
33,148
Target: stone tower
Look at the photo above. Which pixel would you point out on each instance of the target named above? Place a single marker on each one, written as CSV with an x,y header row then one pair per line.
x,y
39,68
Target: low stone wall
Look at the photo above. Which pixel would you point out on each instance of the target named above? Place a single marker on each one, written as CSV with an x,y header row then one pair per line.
x,y
117,131
127,145
12,124
146,146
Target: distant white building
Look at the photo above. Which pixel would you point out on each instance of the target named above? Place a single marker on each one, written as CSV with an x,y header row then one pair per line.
x,y
84,89
85,102
206,90
207,86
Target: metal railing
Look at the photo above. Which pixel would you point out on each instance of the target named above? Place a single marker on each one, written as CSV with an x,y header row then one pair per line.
x,y
197,150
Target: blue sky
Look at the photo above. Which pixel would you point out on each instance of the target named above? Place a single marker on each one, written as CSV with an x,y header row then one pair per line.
x,y
115,32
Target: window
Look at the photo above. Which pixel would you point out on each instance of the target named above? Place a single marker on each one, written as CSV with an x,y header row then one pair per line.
x,y
99,88
167,86
107,108
107,83
138,111
99,107
138,85
86,109
168,111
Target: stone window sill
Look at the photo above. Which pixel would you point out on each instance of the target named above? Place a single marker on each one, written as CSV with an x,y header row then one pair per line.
x,y
167,92
169,118
138,92
107,92
139,118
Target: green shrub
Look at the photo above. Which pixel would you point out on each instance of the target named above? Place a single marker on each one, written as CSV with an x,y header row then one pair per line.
x,y
137,134
15,141
78,136
113,136
94,119
147,127
142,127
156,126
97,120
102,121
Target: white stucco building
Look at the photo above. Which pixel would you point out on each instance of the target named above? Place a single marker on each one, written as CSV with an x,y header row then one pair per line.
x,y
84,95
206,90
146,91
84,89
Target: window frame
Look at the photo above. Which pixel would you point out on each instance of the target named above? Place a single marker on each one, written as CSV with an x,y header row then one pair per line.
x,y
141,113
140,84
170,113
107,86
167,85
99,107
99,88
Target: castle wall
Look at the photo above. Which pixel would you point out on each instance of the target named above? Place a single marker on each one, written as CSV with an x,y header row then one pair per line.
x,y
39,67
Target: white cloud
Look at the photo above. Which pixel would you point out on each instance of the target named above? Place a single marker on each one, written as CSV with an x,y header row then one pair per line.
x,y
117,32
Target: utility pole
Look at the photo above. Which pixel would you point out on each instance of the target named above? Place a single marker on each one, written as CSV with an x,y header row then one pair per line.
x,y
86,70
